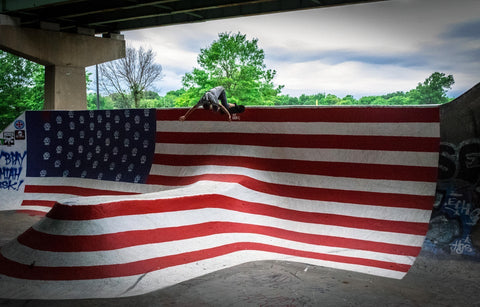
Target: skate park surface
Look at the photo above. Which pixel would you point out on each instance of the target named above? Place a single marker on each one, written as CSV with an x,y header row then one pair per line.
x,y
432,281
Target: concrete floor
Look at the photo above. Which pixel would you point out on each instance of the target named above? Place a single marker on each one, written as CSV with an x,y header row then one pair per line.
x,y
431,282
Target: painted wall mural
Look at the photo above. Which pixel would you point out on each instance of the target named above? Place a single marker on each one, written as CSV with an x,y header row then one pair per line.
x,y
13,163
456,211
11,168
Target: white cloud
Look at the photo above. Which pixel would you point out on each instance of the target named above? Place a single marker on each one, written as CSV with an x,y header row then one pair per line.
x,y
366,79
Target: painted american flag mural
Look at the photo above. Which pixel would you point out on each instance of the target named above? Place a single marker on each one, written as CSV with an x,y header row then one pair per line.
x,y
138,201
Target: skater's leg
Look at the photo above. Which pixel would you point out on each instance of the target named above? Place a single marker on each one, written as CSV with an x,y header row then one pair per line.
x,y
223,99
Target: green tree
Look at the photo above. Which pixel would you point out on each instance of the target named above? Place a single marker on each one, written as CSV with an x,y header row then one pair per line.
x,y
331,99
151,95
348,100
396,98
169,100
106,102
21,87
238,65
284,100
366,100
433,90
150,99
305,100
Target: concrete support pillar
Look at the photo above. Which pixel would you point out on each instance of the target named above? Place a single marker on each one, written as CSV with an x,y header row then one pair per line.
x,y
65,57
65,87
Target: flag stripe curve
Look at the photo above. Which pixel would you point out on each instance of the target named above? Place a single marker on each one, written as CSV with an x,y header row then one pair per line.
x,y
137,195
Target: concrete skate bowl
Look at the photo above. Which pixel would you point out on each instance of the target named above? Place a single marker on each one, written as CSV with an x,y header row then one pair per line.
x,y
346,188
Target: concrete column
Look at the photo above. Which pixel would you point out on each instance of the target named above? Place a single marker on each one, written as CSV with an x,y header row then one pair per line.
x,y
65,57
65,88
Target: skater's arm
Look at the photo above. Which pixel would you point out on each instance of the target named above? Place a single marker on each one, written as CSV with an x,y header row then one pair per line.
x,y
184,117
226,112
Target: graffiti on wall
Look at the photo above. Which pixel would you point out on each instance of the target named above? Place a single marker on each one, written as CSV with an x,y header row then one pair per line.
x,y
457,208
11,168
12,160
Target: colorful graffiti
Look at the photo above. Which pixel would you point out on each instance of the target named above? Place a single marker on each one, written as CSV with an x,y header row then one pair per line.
x,y
13,158
457,209
11,167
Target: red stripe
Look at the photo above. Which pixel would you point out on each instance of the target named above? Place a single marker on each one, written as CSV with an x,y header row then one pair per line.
x,y
134,207
309,193
59,243
78,191
335,169
317,114
36,203
40,203
356,142
33,272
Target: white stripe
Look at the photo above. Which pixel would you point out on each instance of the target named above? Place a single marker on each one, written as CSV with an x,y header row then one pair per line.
x,y
428,159
47,196
25,255
303,180
90,184
11,200
414,129
239,192
198,216
14,288
35,208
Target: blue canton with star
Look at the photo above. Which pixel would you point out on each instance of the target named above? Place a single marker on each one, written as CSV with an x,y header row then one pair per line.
x,y
116,145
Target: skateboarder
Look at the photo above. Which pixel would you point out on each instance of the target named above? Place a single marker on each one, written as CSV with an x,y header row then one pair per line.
x,y
210,101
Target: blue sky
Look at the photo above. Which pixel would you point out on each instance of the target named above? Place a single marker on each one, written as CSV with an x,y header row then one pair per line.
x,y
363,49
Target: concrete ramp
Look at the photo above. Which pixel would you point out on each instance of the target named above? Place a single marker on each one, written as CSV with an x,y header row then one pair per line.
x,y
138,201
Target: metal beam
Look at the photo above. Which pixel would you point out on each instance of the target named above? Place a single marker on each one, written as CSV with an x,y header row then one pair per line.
x,y
99,7
243,8
121,15
16,5
190,10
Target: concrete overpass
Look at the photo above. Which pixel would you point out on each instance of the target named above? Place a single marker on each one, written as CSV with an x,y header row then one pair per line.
x,y
67,36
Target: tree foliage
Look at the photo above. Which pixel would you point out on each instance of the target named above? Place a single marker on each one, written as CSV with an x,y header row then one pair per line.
x,y
433,90
105,102
21,87
130,76
398,98
238,65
